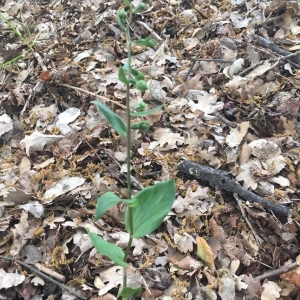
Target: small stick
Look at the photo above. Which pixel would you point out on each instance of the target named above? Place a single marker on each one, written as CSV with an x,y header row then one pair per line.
x,y
277,272
223,119
44,276
92,94
40,60
135,182
250,68
225,61
153,33
191,67
39,83
50,272
239,202
220,180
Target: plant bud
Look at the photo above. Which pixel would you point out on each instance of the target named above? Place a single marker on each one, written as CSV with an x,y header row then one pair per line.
x,y
148,42
137,74
140,7
141,126
122,15
141,85
141,106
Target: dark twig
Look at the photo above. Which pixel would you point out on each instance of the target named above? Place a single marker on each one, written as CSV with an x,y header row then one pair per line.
x,y
191,67
294,57
225,61
277,272
220,180
239,202
223,119
44,276
250,68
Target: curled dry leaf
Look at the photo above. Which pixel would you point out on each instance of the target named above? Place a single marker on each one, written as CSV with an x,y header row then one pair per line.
x,y
292,276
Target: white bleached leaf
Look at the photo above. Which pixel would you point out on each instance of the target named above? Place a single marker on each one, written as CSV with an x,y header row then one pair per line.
x,y
38,141
264,149
260,70
35,208
6,124
237,134
156,91
271,291
207,104
69,115
236,66
65,185
8,280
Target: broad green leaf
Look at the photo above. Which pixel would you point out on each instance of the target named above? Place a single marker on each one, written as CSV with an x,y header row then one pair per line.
x,y
145,113
105,202
116,121
122,75
132,202
128,292
112,251
127,2
148,42
155,202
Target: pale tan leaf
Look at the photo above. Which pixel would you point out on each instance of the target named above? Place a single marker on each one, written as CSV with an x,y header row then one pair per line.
x,y
205,253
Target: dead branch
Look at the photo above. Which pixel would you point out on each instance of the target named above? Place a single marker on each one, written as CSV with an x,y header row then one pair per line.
x,y
44,276
92,94
153,33
294,57
220,180
277,272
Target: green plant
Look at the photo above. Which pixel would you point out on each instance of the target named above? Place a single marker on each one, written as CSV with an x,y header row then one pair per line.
x,y
146,210
17,33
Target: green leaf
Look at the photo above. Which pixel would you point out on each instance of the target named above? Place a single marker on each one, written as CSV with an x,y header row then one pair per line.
x,y
147,112
155,202
148,42
116,121
122,75
132,202
128,292
112,251
105,202
127,2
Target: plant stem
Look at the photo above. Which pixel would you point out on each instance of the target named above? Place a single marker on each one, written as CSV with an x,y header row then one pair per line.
x,y
128,144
